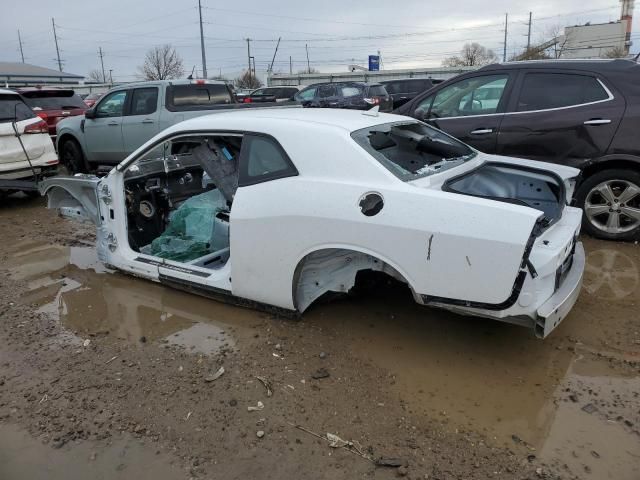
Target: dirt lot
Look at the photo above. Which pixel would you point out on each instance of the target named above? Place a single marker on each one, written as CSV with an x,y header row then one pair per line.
x,y
106,376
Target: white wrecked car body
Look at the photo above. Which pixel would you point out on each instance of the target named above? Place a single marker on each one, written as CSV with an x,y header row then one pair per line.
x,y
275,208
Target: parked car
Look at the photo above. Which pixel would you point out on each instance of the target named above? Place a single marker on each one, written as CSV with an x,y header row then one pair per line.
x,y
354,192
584,114
53,104
91,99
271,94
26,151
403,90
129,115
350,95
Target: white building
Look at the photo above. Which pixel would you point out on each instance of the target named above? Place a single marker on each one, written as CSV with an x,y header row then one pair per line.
x,y
598,40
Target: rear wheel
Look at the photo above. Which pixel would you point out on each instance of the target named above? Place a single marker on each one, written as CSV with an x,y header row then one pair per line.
x,y
72,158
611,204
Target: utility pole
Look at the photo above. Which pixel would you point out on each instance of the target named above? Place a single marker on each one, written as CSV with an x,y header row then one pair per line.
x,y
290,66
20,42
506,25
529,33
249,56
111,76
204,58
104,77
55,38
274,55
306,47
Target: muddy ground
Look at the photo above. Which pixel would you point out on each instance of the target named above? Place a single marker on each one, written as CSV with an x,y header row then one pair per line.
x,y
106,376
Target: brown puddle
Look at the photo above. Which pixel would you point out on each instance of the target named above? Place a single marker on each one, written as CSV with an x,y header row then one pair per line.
x,y
23,457
475,374
496,378
70,284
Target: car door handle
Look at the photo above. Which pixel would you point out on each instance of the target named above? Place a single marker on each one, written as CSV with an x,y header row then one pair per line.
x,y
113,124
482,131
598,121
147,120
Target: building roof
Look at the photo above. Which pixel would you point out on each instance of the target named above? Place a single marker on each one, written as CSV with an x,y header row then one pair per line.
x,y
26,70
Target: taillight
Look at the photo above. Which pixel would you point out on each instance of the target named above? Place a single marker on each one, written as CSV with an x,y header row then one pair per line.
x,y
372,101
247,100
38,127
42,115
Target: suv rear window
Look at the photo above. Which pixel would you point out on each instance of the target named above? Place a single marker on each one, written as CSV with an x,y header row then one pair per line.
x,y
53,100
12,106
377,91
412,150
196,97
408,86
542,91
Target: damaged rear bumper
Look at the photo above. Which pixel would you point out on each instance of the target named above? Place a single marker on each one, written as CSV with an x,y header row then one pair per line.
x,y
554,310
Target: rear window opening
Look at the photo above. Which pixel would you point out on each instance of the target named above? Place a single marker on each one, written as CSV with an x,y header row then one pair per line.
x,y
12,108
53,100
197,96
412,150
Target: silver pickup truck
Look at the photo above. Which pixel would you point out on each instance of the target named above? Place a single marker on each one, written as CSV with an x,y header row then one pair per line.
x,y
129,115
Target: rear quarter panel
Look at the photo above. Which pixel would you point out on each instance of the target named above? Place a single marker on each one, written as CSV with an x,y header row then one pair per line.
x,y
444,244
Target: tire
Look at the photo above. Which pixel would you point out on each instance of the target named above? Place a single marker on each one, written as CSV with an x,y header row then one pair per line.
x,y
71,157
610,201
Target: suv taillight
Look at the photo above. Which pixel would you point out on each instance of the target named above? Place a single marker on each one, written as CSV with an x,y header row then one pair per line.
x,y
372,101
38,127
42,115
246,100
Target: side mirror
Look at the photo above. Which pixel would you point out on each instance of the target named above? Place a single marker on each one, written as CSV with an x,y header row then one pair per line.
x,y
91,113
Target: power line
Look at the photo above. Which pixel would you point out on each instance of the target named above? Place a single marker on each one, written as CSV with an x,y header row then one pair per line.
x,y
55,38
20,42
204,58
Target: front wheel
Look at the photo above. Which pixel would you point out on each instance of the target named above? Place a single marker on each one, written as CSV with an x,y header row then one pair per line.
x,y
610,201
71,157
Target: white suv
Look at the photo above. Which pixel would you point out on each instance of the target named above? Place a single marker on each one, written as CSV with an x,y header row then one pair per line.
x,y
26,151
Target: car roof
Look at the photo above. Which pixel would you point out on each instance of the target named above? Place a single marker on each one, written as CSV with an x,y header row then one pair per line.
x,y
601,65
4,91
347,120
171,82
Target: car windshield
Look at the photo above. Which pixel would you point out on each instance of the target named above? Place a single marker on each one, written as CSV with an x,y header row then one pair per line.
x,y
412,150
53,100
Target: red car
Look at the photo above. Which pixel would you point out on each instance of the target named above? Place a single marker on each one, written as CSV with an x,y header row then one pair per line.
x,y
53,104
91,99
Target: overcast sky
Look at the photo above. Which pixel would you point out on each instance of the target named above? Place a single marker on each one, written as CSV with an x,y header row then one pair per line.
x,y
408,33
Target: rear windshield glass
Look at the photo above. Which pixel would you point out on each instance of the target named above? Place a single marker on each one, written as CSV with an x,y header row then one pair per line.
x,y
197,97
408,86
412,150
377,90
53,100
12,107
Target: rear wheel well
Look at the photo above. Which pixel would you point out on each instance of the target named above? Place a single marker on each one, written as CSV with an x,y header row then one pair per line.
x,y
334,270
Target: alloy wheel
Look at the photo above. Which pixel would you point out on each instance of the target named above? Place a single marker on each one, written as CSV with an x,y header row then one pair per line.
x,y
613,206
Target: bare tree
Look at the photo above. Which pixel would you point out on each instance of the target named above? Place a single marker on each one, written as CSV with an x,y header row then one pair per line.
x,y
615,52
247,80
95,76
531,53
162,63
562,40
471,55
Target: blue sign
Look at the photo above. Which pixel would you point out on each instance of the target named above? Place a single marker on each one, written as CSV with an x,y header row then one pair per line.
x,y
374,63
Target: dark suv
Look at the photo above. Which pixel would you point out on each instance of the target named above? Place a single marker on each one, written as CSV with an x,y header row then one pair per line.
x,y
354,95
403,90
585,114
